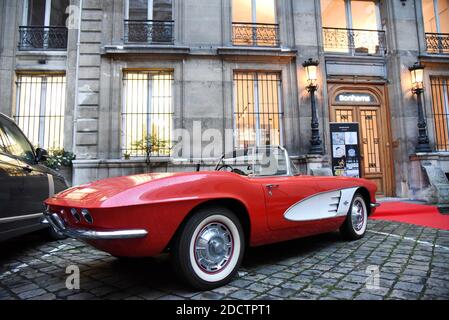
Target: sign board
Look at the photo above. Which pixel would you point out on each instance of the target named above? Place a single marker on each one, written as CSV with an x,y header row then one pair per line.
x,y
355,97
345,144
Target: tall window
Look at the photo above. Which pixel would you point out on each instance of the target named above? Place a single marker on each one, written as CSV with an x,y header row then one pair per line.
x,y
44,25
440,111
149,21
257,112
352,26
40,109
147,113
436,25
254,23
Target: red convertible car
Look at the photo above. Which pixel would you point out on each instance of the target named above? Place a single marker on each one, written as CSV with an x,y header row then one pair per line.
x,y
207,219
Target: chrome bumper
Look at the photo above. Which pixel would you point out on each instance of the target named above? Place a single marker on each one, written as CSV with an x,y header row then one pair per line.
x,y
375,205
55,221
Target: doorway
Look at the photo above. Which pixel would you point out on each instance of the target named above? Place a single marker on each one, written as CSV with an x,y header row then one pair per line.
x,y
367,106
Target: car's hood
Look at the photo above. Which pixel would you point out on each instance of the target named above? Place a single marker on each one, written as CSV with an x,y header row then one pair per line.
x,y
99,193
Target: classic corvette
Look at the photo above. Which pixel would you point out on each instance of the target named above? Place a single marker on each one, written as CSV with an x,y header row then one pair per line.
x,y
206,219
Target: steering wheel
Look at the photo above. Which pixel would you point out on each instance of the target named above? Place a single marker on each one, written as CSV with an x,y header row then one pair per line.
x,y
226,166
231,169
238,171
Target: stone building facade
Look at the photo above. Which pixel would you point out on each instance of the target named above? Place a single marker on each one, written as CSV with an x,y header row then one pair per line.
x,y
107,79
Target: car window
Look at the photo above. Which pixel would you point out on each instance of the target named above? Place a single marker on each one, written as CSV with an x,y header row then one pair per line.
x,y
13,142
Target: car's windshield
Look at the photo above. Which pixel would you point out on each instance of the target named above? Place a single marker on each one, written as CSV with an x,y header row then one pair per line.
x,y
258,162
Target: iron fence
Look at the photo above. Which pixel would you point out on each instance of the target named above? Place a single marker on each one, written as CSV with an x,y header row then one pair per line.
x,y
255,34
40,109
42,38
147,114
257,112
149,31
440,111
354,41
437,42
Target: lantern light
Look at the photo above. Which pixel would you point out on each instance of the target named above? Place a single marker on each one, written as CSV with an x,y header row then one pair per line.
x,y
417,76
311,67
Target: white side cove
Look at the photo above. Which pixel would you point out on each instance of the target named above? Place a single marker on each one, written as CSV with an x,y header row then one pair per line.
x,y
324,205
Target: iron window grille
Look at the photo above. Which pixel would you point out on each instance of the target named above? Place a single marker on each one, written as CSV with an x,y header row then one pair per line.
x,y
40,109
258,111
440,111
354,41
147,114
149,31
255,34
437,43
42,38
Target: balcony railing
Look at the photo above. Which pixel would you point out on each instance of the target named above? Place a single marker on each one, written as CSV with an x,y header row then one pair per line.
x,y
149,31
354,41
437,43
42,38
255,34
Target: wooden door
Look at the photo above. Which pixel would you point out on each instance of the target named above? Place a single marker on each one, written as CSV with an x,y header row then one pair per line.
x,y
373,140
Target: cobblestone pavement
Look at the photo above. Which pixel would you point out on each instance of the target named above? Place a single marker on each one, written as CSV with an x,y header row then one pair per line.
x,y
413,263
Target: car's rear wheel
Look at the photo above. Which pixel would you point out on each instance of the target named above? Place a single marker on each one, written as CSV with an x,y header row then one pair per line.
x,y
209,249
354,227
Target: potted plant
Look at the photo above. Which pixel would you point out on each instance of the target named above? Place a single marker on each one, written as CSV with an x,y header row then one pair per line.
x,y
61,161
150,145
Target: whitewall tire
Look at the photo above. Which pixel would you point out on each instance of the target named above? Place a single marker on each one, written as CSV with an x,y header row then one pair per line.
x,y
354,227
209,249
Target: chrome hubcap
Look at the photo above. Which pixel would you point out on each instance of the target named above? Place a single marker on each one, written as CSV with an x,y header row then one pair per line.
x,y
357,215
213,247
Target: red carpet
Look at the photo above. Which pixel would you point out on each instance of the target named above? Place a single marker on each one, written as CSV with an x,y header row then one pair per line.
x,y
421,215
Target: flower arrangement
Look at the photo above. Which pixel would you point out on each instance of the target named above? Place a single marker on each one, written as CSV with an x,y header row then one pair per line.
x,y
59,158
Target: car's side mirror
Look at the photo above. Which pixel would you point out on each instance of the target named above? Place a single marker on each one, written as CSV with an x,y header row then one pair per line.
x,y
41,155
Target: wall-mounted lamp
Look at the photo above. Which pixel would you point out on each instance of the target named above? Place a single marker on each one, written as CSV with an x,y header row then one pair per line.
x,y
417,79
311,68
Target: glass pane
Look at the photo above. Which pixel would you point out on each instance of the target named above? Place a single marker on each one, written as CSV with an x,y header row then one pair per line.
x,y
265,11
244,113
443,13
335,35
40,109
242,11
147,114
36,12
53,116
364,15
162,10
138,9
333,13
269,109
257,109
58,16
429,16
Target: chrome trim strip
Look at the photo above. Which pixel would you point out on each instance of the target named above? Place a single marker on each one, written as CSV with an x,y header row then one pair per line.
x,y
84,234
375,205
51,186
19,218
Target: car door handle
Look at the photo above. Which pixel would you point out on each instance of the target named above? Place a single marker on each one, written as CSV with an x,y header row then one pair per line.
x,y
27,169
272,186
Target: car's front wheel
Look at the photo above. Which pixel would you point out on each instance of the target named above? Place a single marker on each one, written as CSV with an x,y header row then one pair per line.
x,y
209,249
354,227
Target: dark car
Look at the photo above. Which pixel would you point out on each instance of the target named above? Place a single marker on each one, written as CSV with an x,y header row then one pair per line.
x,y
24,183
